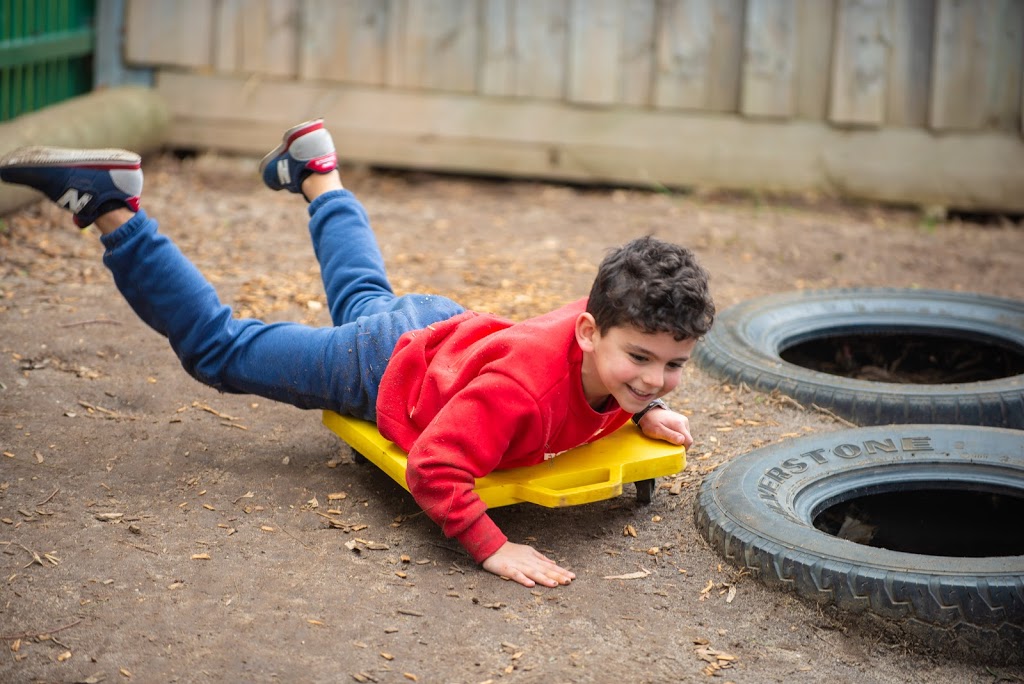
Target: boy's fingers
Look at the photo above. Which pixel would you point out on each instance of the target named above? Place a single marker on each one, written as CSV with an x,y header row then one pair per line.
x,y
520,578
549,574
560,575
677,436
527,566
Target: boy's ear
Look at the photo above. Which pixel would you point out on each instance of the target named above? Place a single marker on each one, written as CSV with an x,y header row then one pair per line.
x,y
586,330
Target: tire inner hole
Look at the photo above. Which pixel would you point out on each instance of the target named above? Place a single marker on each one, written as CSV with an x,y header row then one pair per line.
x,y
932,358
935,522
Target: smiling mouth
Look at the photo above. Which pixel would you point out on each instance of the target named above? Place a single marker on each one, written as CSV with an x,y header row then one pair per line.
x,y
642,396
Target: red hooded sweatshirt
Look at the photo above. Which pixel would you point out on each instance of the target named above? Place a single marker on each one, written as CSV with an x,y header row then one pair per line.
x,y
478,393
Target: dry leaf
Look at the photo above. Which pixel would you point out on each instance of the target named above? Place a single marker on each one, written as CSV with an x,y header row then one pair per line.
x,y
639,574
200,556
629,531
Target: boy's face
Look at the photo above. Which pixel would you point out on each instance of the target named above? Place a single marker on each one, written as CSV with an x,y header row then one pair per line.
x,y
630,365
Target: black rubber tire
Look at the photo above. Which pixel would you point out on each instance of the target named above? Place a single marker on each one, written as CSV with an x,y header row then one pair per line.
x,y
757,509
745,343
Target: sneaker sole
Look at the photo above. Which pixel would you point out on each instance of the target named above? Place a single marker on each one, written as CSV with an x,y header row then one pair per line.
x,y
288,138
59,156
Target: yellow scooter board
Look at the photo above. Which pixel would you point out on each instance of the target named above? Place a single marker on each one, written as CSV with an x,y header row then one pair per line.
x,y
588,473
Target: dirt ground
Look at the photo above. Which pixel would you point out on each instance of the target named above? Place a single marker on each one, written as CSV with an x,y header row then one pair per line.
x,y
154,530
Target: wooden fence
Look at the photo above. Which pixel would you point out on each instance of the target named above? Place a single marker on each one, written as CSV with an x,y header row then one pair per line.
x,y
915,101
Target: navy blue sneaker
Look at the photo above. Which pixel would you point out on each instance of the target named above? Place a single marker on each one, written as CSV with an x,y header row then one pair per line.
x,y
304,149
85,182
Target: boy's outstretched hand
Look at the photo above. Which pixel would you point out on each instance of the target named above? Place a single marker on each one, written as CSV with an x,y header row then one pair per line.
x,y
667,425
526,565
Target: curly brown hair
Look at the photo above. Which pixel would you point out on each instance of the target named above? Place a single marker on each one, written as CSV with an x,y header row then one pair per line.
x,y
654,286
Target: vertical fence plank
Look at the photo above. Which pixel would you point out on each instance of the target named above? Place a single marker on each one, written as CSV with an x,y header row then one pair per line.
x,y
227,43
172,32
699,52
257,36
499,54
594,46
769,59
637,57
725,64
683,45
978,60
524,48
910,62
860,66
815,30
433,44
344,40
270,34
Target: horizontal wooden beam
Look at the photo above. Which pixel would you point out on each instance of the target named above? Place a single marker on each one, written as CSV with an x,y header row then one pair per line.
x,y
552,140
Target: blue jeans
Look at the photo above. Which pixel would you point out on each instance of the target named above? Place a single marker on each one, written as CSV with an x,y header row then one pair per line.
x,y
337,368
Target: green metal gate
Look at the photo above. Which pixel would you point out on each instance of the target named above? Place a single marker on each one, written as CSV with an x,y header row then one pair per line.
x,y
45,53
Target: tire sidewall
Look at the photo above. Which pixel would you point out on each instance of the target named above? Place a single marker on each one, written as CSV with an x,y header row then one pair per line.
x,y
770,495
745,343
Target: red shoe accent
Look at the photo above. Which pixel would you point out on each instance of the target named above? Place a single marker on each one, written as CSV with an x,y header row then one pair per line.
x,y
323,164
314,125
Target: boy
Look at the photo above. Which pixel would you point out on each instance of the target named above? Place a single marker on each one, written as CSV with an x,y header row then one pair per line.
x,y
463,393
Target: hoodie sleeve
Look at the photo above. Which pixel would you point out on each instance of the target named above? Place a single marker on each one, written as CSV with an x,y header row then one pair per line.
x,y
469,438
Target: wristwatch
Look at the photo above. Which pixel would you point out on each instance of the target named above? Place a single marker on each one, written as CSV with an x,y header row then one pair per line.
x,y
657,403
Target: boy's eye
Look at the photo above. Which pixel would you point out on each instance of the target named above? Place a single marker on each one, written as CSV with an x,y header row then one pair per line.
x,y
675,365
639,358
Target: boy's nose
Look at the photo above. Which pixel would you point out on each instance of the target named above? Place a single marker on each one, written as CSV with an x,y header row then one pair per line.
x,y
654,378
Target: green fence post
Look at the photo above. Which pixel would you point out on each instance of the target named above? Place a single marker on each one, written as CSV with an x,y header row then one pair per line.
x,y
46,51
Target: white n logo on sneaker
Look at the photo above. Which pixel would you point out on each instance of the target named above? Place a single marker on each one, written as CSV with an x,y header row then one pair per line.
x,y
73,201
282,172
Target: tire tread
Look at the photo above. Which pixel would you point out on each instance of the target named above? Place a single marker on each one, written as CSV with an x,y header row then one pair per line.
x,y
962,617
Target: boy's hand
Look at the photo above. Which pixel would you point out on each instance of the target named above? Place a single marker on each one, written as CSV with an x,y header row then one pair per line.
x,y
667,425
526,565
